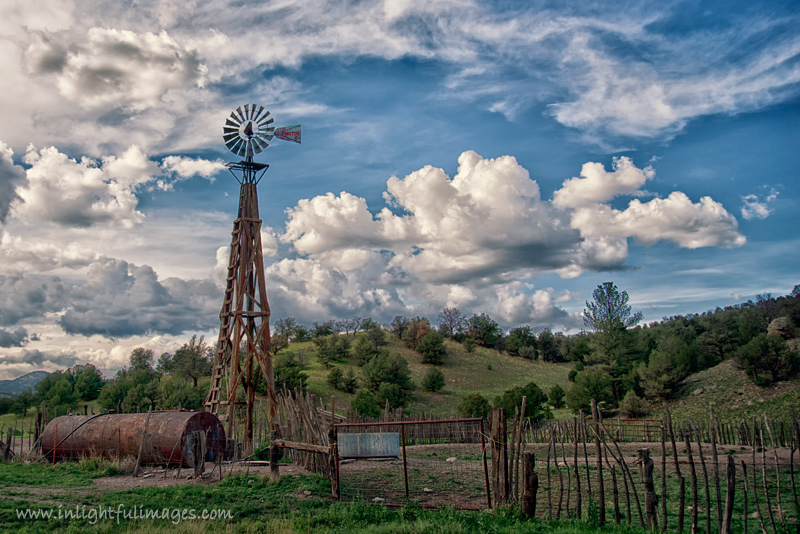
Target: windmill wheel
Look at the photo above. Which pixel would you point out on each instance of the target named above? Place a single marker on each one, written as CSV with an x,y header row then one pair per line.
x,y
247,132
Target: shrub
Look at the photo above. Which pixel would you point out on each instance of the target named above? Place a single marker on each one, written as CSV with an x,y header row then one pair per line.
x,y
469,344
528,352
393,393
633,405
535,405
364,350
591,383
392,369
574,371
288,371
434,380
416,329
767,358
474,405
519,339
365,404
332,349
666,369
335,377
556,396
432,348
349,383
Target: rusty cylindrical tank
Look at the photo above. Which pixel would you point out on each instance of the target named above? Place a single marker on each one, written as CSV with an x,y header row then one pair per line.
x,y
169,442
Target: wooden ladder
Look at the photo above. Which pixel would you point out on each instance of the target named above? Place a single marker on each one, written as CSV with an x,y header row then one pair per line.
x,y
222,356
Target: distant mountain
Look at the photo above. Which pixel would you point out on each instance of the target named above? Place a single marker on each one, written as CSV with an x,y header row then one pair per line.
x,y
12,388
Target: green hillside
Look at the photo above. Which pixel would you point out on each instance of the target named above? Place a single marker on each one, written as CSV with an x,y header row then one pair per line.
x,y
734,397
485,371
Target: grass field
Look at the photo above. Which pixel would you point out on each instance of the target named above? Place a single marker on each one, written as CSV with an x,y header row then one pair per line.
x,y
295,504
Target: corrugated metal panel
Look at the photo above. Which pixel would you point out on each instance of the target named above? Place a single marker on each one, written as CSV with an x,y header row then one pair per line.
x,y
369,445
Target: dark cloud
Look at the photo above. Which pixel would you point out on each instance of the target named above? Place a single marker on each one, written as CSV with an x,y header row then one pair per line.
x,y
118,300
13,338
10,176
37,358
121,300
24,298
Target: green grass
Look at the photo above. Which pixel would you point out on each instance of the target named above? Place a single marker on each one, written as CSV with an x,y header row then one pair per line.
x,y
60,475
733,396
294,504
464,373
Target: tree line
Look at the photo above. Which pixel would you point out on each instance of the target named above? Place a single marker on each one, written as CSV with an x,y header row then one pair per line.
x,y
622,364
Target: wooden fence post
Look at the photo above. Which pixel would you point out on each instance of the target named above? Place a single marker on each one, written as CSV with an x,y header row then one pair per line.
x,y
577,471
530,485
499,455
600,486
693,474
682,486
744,477
715,459
646,465
663,476
726,519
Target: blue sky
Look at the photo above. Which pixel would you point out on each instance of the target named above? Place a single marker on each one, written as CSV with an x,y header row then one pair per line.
x,y
501,157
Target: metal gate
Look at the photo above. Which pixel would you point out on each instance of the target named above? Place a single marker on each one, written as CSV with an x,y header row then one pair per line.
x,y
435,463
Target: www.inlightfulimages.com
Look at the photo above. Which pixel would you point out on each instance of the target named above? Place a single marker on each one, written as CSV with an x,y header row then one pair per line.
x,y
120,513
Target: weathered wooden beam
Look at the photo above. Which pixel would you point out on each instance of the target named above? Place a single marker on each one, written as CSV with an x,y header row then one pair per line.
x,y
285,444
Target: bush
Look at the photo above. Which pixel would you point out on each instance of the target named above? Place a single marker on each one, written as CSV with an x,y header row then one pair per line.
x,y
474,405
574,371
434,380
519,339
556,396
668,366
767,358
393,393
363,351
349,383
535,405
342,381
469,344
387,367
432,348
365,404
591,383
288,371
528,352
331,349
633,405
335,377
174,392
415,330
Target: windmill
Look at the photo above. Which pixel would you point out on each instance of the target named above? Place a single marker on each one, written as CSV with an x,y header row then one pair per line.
x,y
243,347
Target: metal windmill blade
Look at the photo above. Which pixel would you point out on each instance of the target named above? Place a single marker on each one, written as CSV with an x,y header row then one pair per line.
x,y
250,128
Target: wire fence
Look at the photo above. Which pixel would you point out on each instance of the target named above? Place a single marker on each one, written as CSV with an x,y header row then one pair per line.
x,y
436,463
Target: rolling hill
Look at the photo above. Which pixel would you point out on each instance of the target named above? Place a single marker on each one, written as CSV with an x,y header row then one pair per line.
x,y
12,388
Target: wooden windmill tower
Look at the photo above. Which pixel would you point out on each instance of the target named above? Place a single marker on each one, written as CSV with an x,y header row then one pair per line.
x,y
243,347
